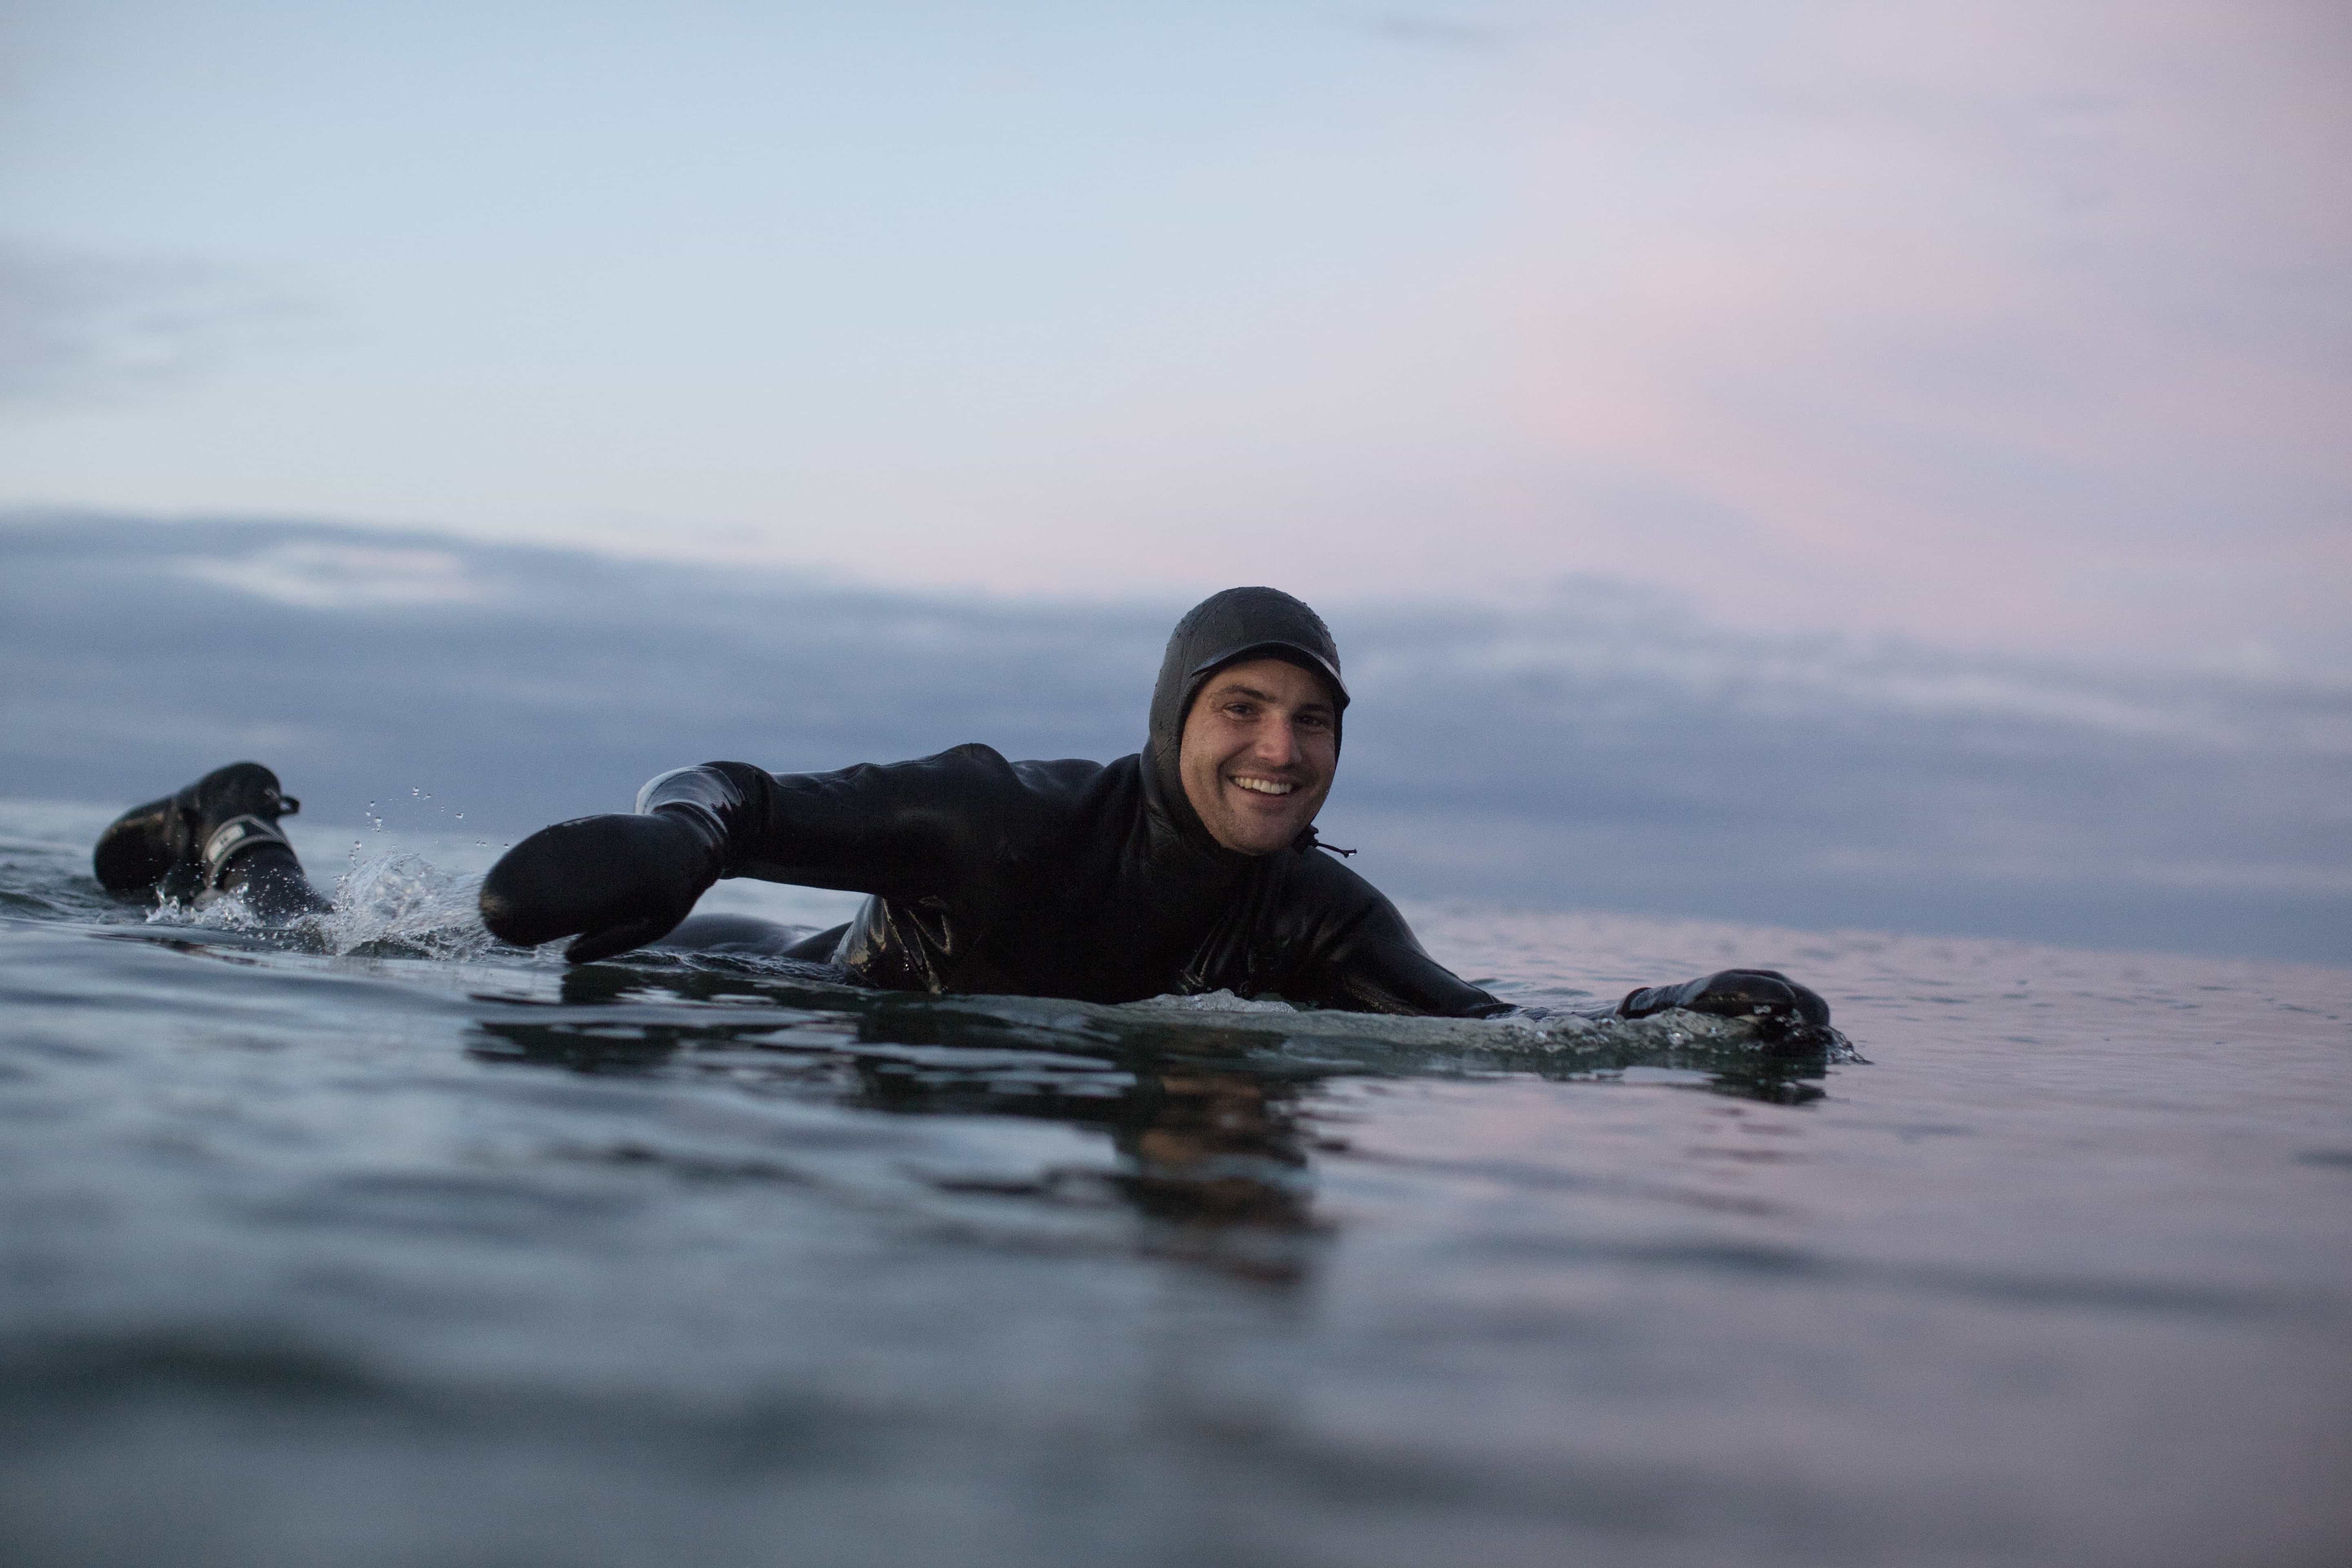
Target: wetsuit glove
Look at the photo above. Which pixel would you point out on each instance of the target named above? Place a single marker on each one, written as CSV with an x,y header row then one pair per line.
x,y
1734,994
619,881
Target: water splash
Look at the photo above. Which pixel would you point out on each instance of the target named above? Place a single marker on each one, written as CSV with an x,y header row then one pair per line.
x,y
226,911
385,906
403,903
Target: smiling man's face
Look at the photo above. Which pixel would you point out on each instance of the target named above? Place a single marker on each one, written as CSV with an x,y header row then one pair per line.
x,y
1260,746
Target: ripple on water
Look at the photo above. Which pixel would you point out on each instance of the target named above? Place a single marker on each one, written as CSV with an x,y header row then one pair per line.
x,y
377,1243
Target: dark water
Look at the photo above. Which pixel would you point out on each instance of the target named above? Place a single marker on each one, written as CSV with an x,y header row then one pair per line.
x,y
387,1246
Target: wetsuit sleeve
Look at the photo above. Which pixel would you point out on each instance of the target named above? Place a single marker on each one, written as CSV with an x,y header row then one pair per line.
x,y
1373,963
901,830
1398,976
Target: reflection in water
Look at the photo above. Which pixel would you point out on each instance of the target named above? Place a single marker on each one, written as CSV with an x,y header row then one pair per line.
x,y
1204,1112
1215,1148
1212,1159
1215,1160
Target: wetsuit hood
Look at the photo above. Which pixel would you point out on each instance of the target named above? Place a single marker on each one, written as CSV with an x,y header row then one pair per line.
x,y
1226,629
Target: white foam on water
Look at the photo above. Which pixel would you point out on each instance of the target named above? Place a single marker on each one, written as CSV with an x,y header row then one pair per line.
x,y
1217,1001
396,899
404,899
1545,1033
226,913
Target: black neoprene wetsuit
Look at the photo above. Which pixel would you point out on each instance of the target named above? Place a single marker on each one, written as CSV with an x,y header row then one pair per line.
x,y
1077,879
1062,878
1069,879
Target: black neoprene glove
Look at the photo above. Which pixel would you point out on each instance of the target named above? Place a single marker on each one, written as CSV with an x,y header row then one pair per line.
x,y
1734,994
620,881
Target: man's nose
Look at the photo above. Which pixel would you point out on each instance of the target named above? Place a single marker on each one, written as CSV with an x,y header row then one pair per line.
x,y
1277,742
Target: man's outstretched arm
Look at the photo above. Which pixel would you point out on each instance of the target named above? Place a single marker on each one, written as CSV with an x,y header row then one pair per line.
x,y
1375,964
1365,958
904,830
1394,977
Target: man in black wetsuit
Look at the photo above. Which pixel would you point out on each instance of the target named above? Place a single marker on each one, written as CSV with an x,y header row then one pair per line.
x,y
1190,867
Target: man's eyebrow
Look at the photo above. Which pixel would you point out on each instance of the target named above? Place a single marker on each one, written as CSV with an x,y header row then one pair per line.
x,y
1236,688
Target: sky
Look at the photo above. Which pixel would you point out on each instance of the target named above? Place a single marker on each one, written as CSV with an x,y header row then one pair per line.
x,y
2018,330
1596,747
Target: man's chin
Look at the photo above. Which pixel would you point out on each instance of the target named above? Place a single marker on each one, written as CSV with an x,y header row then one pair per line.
x,y
1254,828
1262,836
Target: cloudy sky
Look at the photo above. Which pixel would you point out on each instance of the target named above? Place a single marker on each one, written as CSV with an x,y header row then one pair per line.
x,y
2008,326
1592,747
1844,464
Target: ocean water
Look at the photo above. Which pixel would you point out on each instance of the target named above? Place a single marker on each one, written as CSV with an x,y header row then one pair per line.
x,y
380,1244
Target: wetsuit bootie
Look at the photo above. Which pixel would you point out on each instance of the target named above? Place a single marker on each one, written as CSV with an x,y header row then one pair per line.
x,y
203,839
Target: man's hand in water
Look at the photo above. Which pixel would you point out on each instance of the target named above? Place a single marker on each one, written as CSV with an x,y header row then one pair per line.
x,y
1734,994
618,882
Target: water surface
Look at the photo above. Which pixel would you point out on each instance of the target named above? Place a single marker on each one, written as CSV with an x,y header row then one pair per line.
x,y
387,1246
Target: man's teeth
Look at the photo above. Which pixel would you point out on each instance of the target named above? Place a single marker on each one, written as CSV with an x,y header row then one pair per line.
x,y
1265,786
